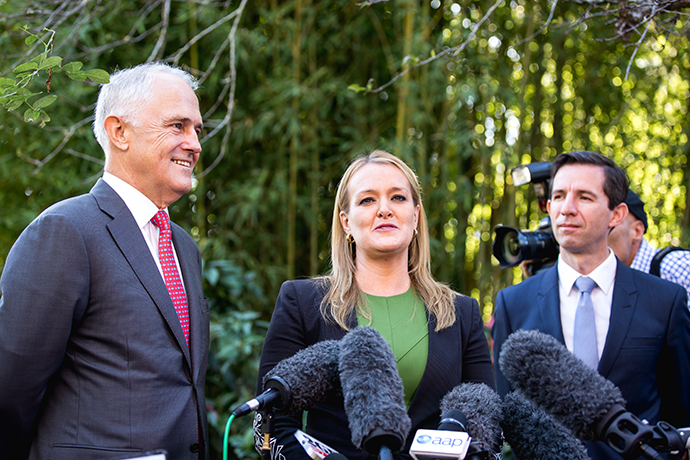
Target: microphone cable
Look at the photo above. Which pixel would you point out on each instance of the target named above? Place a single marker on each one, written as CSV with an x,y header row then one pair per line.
x,y
226,436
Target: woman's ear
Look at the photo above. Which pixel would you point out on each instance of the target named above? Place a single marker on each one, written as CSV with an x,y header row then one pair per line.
x,y
344,222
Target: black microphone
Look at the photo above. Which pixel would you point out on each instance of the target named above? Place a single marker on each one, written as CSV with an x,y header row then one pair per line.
x,y
449,442
481,406
580,398
299,382
453,420
535,435
373,393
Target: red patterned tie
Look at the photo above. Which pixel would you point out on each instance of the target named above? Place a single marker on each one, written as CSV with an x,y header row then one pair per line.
x,y
172,277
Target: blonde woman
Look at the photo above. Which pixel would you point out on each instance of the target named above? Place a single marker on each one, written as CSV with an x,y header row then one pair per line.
x,y
380,278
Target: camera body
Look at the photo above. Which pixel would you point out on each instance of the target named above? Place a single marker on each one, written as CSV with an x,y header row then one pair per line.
x,y
512,246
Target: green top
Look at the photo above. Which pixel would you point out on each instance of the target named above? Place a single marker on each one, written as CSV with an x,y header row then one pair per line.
x,y
401,320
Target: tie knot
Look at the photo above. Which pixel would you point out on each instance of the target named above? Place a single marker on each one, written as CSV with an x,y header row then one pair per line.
x,y
585,284
161,220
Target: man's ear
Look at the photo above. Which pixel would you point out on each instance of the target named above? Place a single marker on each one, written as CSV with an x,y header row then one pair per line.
x,y
115,128
619,214
637,231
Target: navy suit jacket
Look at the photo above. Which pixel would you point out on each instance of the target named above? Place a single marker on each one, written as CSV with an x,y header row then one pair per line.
x,y
457,354
647,348
93,359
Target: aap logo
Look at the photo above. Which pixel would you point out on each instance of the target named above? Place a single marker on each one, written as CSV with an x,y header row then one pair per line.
x,y
424,439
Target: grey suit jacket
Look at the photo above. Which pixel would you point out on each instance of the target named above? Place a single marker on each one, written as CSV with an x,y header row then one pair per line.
x,y
647,346
93,361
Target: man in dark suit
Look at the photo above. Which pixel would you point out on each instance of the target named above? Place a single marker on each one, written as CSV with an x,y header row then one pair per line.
x,y
104,327
637,330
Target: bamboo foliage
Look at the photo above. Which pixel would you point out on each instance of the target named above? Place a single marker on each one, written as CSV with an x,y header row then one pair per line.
x,y
292,90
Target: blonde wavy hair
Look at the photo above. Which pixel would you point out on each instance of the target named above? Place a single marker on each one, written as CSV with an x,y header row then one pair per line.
x,y
343,295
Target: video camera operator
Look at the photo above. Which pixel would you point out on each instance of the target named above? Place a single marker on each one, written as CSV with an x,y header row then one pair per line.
x,y
633,328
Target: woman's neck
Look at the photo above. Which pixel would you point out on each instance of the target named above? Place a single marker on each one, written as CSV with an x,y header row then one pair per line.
x,y
383,277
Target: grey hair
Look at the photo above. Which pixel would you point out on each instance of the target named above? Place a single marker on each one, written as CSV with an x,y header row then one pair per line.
x,y
125,92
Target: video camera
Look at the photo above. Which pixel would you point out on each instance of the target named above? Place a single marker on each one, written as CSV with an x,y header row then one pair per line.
x,y
511,246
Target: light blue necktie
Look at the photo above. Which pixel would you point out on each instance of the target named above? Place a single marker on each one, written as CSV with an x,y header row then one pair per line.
x,y
585,332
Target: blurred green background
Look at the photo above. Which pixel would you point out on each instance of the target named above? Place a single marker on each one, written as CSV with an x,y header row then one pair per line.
x,y
292,90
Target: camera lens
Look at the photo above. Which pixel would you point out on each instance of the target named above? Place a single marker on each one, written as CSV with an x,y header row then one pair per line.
x,y
511,246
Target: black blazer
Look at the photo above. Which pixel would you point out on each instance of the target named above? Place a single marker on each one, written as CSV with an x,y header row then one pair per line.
x,y
647,346
93,360
457,354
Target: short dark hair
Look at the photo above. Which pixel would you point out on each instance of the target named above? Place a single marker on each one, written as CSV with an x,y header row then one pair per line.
x,y
615,179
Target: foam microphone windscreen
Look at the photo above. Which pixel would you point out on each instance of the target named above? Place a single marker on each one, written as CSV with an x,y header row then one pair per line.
x,y
549,375
482,408
535,435
372,391
311,375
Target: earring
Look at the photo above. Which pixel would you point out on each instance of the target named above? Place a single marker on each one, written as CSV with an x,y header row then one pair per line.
x,y
349,238
414,235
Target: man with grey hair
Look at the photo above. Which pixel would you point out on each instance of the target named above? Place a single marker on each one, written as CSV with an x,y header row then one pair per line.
x,y
104,328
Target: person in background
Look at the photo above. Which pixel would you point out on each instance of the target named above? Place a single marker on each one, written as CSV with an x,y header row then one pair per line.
x,y
104,328
380,278
631,247
632,327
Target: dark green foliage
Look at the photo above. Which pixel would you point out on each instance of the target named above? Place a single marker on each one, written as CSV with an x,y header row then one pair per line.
x,y
262,206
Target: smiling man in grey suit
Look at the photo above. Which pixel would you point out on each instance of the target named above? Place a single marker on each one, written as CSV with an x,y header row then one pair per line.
x,y
635,327
104,327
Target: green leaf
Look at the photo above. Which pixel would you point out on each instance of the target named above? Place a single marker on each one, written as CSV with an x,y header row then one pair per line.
x,y
77,76
72,66
6,82
356,88
41,57
44,102
14,104
31,39
31,115
53,61
98,76
27,66
45,118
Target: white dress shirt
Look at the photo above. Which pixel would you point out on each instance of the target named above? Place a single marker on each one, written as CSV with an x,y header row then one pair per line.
x,y
143,211
602,295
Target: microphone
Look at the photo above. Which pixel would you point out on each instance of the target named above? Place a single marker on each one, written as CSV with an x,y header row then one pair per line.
x,y
299,382
481,406
580,398
373,393
533,434
450,441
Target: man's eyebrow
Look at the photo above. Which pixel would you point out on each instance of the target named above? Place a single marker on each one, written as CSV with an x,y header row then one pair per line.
x,y
185,120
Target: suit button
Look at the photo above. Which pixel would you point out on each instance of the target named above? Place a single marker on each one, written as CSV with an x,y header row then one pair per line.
x,y
194,448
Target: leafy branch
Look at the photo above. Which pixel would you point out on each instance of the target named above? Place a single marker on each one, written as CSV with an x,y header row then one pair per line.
x,y
14,92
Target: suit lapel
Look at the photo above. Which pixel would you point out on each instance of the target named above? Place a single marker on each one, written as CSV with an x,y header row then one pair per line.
x,y
549,304
437,373
126,234
622,310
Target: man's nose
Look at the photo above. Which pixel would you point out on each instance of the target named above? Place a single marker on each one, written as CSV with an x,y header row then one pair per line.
x,y
192,141
569,205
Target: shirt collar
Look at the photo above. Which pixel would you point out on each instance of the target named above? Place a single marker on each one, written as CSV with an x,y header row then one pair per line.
x,y
604,275
138,204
